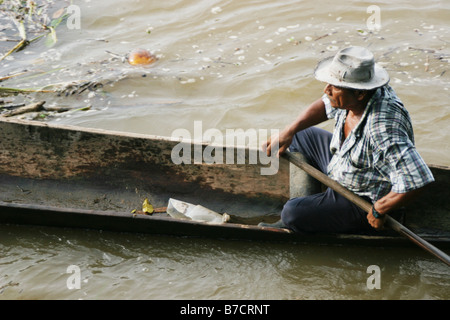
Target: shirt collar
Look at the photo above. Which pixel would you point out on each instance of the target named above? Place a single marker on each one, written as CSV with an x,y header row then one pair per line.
x,y
375,97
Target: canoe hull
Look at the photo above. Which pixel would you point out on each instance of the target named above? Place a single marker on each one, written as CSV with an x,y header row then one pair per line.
x,y
160,224
85,178
37,150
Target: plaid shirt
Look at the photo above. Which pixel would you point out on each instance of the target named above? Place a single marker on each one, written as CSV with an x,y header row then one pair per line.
x,y
379,155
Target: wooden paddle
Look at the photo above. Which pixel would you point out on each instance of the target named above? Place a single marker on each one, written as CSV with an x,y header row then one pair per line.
x,y
366,206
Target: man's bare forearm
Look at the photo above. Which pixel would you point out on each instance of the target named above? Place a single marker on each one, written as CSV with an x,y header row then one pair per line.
x,y
314,114
388,203
311,116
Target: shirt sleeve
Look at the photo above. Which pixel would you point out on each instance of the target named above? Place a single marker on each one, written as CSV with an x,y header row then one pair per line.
x,y
331,112
398,159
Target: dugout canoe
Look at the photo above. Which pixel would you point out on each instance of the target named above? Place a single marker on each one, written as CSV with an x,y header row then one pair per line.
x,y
66,176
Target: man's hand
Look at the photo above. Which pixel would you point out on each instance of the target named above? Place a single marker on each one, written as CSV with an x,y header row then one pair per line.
x,y
376,223
278,143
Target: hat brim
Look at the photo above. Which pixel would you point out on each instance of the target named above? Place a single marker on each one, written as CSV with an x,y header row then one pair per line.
x,y
322,73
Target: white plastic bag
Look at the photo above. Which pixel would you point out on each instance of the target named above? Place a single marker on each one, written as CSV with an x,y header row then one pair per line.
x,y
184,210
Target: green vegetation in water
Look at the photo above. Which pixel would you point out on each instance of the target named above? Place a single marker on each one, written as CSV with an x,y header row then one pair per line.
x,y
30,21
31,18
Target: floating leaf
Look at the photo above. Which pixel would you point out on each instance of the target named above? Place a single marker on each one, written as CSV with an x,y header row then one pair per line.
x,y
22,31
147,207
58,13
56,22
51,38
84,108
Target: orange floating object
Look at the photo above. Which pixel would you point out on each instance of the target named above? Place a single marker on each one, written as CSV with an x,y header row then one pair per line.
x,y
141,57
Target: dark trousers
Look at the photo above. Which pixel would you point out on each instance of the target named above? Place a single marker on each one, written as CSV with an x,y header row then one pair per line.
x,y
327,211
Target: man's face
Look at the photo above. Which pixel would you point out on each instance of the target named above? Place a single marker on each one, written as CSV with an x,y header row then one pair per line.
x,y
341,98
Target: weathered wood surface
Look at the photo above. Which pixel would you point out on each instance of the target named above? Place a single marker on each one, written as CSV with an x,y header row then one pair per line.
x,y
41,151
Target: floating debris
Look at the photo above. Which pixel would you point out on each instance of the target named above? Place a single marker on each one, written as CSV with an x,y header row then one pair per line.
x,y
38,106
30,18
75,87
362,32
325,35
141,57
216,10
332,48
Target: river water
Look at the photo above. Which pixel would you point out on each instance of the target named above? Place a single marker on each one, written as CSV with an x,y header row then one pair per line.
x,y
231,65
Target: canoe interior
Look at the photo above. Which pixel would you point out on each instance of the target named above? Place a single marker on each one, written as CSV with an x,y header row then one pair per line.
x,y
91,169
142,164
58,175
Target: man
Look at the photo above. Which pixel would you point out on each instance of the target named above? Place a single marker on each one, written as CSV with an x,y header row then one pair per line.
x,y
371,151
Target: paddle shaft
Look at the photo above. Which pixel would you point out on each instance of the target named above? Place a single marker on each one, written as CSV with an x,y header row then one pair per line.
x,y
364,205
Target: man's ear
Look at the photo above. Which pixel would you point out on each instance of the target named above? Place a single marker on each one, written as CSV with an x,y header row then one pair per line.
x,y
362,94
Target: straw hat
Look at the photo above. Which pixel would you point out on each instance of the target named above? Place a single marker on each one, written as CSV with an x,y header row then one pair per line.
x,y
352,67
